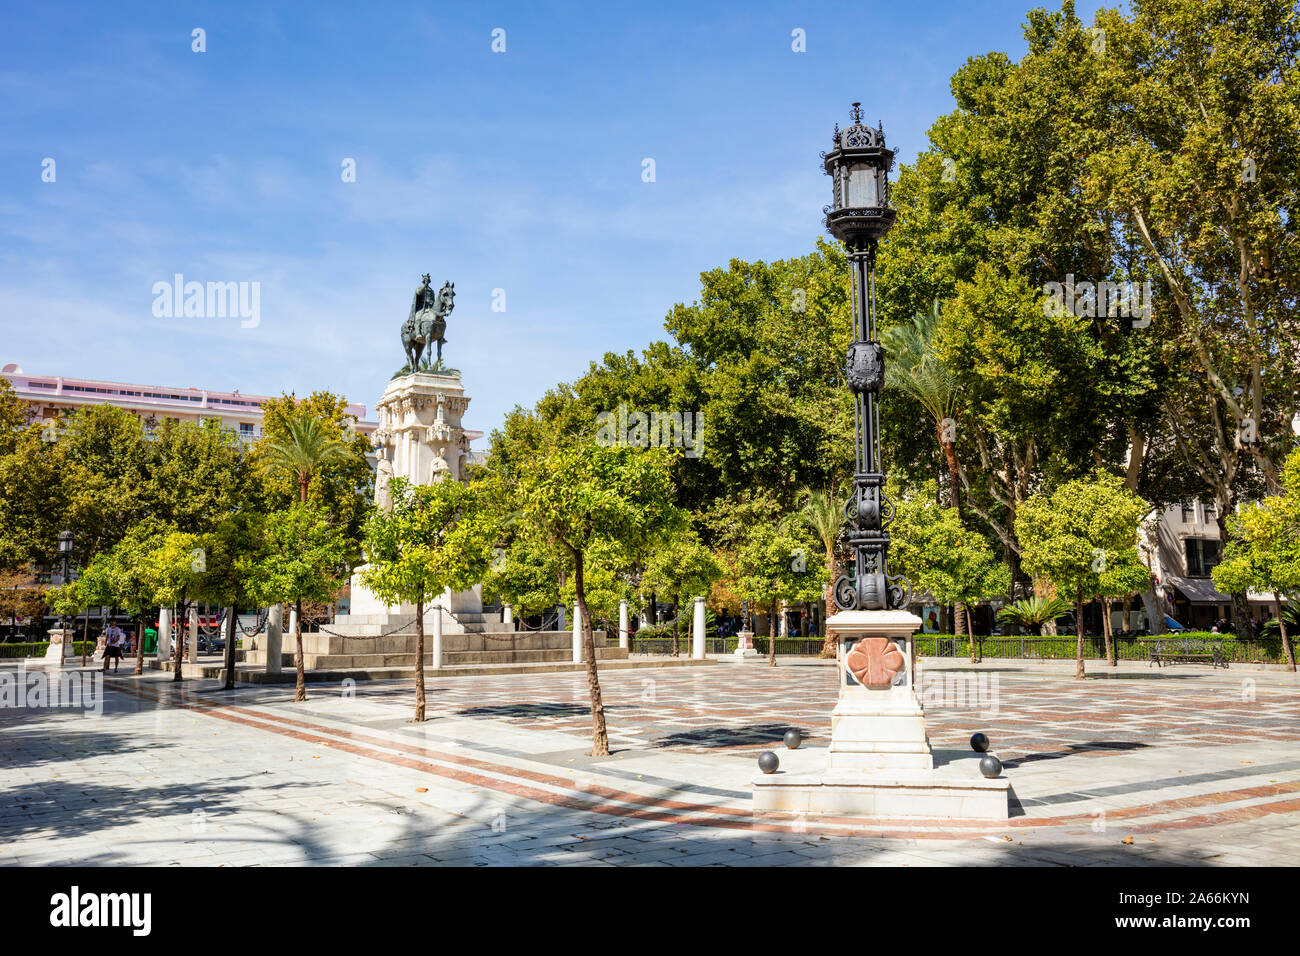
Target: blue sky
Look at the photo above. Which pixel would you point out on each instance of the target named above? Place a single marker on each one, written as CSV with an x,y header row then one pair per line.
x,y
519,171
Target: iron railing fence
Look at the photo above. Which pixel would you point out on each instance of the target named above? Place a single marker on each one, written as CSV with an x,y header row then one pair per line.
x,y
1242,650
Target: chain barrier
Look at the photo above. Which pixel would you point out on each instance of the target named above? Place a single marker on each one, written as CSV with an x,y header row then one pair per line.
x,y
256,628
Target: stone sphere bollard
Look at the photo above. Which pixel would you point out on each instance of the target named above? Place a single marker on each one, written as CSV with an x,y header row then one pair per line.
x,y
990,766
793,739
979,743
768,762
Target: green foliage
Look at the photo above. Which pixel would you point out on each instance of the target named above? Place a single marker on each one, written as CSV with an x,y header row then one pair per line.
x,y
526,576
304,557
1070,535
930,545
680,569
435,537
307,448
1033,612
196,475
1263,549
772,564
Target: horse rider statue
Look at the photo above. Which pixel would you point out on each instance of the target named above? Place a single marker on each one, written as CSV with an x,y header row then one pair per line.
x,y
427,321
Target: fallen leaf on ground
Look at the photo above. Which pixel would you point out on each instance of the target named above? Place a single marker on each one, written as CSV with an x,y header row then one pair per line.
x,y
1128,841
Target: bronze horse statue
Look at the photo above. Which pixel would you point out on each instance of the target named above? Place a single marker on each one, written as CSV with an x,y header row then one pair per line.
x,y
427,321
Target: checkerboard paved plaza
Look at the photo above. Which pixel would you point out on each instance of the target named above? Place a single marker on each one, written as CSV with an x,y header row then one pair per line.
x,y
1174,766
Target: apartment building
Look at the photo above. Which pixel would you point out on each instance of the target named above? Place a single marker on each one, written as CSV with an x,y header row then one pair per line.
x,y
51,395
1180,544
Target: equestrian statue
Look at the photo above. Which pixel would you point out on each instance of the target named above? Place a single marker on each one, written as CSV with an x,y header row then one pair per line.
x,y
427,323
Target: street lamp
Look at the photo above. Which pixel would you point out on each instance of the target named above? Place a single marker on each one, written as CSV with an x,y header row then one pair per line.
x,y
859,216
65,552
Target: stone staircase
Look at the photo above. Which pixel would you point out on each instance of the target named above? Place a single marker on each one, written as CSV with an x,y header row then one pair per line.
x,y
362,645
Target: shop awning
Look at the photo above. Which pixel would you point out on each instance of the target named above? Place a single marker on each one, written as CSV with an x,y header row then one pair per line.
x,y
1199,590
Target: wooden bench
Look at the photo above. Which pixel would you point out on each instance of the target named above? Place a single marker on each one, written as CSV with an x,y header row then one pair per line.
x,y
1185,650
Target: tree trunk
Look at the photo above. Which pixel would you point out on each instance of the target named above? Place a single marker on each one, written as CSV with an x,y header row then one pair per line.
x,y
1078,630
832,569
231,623
139,646
1107,633
771,635
419,661
959,621
1286,640
677,616
599,736
1127,618
85,637
954,474
300,690
651,611
179,657
970,634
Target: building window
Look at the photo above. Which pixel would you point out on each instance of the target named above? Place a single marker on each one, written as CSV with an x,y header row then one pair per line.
x,y
1202,555
245,428
1189,512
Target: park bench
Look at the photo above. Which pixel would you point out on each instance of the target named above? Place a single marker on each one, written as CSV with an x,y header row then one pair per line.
x,y
1188,650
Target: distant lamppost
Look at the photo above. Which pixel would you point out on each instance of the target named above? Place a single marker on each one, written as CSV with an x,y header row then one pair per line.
x,y
859,216
65,552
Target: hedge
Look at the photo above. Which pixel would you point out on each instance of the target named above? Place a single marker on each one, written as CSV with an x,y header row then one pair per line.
x,y
38,648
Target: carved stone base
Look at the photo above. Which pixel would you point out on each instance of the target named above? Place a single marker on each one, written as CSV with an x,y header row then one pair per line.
x,y
745,647
879,763
62,649
954,791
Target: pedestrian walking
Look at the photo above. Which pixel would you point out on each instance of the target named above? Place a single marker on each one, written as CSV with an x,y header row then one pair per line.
x,y
115,641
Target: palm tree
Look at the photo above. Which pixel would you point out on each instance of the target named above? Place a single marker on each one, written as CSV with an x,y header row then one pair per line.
x,y
306,449
825,515
914,367
1033,612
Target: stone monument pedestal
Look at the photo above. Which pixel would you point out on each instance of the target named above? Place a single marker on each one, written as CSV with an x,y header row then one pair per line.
x,y
879,763
420,438
62,649
745,646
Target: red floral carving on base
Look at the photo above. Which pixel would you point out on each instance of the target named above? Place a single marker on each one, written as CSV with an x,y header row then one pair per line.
x,y
874,661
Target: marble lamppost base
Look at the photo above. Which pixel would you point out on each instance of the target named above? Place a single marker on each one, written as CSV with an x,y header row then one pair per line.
x,y
745,646
879,763
62,651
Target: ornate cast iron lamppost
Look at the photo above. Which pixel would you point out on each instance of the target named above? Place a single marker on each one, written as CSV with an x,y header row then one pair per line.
x,y
859,216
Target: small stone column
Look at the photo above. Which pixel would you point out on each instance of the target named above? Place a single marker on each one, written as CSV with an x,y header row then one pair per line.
x,y
192,634
783,625
697,643
508,617
164,633
878,723
622,624
293,628
274,638
59,653
437,637
577,634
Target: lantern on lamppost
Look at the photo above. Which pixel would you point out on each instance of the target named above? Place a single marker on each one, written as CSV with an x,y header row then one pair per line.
x,y
859,216
65,553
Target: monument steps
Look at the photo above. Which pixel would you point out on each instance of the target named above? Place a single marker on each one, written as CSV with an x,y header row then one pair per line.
x,y
451,659
257,675
326,651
